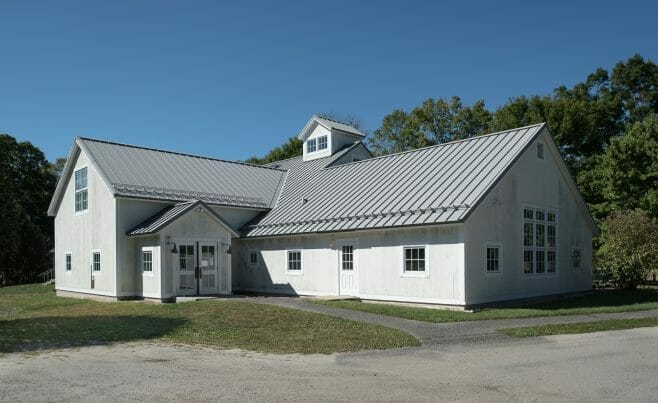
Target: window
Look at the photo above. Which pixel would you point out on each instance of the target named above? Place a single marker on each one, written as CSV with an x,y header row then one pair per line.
x,y
540,151
493,258
356,159
147,261
322,143
540,239
295,261
311,146
576,259
96,261
414,259
68,262
81,200
253,257
347,257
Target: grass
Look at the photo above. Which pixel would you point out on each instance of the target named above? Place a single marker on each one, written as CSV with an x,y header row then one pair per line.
x,y
598,302
32,318
584,327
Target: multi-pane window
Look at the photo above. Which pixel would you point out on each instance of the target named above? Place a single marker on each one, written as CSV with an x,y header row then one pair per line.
x,y
414,259
540,151
186,257
81,199
147,261
68,262
96,261
322,143
253,258
347,257
576,259
311,145
539,241
295,260
493,259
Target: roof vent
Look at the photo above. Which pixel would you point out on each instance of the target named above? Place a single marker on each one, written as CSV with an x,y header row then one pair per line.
x,y
540,151
304,200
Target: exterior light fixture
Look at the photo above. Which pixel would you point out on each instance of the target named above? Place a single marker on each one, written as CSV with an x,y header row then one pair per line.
x,y
173,249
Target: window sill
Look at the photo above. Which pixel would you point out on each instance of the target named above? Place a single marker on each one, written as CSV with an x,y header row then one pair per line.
x,y
495,274
83,212
408,274
147,273
294,273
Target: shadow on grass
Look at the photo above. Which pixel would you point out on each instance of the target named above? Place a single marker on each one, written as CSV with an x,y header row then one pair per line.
x,y
50,332
599,299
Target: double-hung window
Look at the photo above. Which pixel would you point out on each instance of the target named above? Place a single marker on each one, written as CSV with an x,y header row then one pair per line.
x,y
576,259
414,260
253,257
96,261
81,198
493,258
295,261
540,239
68,262
311,146
322,143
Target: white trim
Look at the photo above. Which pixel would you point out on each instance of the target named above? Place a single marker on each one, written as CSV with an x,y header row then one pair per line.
x,y
354,242
299,272
76,191
150,249
87,291
249,252
100,262
499,245
414,274
547,210
68,253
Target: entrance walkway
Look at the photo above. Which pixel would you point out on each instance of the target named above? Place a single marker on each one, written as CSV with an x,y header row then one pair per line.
x,y
436,334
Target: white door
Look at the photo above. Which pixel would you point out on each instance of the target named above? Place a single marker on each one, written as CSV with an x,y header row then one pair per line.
x,y
186,268
208,268
347,267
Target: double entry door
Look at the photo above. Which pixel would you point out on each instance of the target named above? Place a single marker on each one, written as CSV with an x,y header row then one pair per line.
x,y
196,268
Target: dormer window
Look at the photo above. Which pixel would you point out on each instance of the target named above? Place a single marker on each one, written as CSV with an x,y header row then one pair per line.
x,y
322,143
311,146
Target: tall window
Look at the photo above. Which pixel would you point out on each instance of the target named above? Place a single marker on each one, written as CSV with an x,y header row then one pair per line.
x,y
322,143
96,261
576,258
347,257
81,200
493,258
147,261
539,241
295,260
253,257
311,146
68,262
414,259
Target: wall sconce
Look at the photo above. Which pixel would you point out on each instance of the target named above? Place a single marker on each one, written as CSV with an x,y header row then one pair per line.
x,y
174,249
228,251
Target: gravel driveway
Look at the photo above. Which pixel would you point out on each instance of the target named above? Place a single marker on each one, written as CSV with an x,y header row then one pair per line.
x,y
611,366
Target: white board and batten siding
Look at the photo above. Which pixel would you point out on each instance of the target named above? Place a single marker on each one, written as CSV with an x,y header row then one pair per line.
x,y
531,182
79,234
379,267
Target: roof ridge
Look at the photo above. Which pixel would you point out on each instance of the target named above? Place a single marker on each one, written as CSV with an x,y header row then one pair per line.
x,y
436,145
175,153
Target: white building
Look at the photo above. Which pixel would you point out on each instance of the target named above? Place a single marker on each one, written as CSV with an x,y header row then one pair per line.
x,y
491,218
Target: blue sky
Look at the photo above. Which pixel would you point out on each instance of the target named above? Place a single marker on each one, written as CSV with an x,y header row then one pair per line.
x,y
234,79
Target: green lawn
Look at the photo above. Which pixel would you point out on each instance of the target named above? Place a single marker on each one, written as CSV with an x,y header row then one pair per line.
x,y
32,318
598,302
585,327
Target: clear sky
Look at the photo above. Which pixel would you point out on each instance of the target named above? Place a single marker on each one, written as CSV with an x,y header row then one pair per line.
x,y
234,79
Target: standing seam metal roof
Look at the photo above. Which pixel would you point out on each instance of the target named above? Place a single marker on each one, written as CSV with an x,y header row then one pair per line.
x,y
155,174
438,184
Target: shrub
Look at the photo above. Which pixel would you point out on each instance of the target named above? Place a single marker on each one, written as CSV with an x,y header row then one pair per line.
x,y
629,248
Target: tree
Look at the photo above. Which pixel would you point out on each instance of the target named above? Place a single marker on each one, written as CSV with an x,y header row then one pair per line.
x,y
26,186
636,83
629,249
628,170
289,149
398,132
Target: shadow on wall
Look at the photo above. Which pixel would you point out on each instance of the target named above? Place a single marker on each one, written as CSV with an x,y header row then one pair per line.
x,y
249,279
49,332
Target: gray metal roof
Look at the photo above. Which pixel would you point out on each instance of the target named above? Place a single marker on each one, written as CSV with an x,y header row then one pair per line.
x,y
155,174
439,184
160,220
329,124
